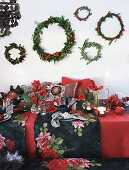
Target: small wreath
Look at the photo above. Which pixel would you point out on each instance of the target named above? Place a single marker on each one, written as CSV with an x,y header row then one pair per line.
x,y
76,13
88,45
17,60
103,19
57,56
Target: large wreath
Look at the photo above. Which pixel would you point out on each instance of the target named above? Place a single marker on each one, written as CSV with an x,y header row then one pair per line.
x,y
103,19
88,45
76,13
65,24
18,59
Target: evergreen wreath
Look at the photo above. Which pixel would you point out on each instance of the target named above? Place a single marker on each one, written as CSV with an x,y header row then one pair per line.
x,y
103,19
18,59
76,13
57,56
88,45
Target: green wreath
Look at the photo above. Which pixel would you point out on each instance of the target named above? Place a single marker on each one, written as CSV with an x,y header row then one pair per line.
x,y
57,56
76,13
88,45
103,19
17,60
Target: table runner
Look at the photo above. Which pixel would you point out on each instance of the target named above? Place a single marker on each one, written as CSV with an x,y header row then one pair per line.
x,y
114,135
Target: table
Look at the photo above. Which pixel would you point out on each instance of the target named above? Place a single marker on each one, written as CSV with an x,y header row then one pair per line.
x,y
114,130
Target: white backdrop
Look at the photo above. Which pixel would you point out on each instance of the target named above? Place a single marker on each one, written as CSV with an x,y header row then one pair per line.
x,y
111,70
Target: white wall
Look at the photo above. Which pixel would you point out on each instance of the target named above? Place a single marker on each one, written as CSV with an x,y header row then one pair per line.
x,y
114,61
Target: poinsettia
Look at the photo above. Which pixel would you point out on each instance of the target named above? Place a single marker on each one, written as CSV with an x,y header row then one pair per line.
x,y
92,86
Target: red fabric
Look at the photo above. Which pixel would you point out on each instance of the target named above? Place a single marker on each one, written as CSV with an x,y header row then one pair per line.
x,y
29,135
114,135
82,84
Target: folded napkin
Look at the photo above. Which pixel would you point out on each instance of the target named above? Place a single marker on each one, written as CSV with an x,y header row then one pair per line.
x,y
57,116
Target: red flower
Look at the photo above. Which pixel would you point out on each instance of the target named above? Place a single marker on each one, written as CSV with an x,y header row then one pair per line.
x,y
74,111
10,145
49,154
48,56
33,90
42,92
21,106
34,100
92,86
40,103
114,101
58,164
82,96
56,54
36,84
43,87
1,117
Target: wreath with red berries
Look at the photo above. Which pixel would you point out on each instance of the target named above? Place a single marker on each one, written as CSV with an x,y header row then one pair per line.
x,y
103,19
57,56
76,13
18,59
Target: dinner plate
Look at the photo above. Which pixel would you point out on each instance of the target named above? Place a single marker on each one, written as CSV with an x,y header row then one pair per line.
x,y
6,117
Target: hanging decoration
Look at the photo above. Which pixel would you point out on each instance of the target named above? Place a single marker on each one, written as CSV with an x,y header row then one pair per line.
x,y
103,19
76,13
18,59
89,45
9,14
59,55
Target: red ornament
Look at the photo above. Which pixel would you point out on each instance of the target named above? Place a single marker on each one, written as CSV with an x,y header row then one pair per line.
x,y
119,110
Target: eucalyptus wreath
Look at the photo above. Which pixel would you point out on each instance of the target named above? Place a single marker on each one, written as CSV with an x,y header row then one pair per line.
x,y
89,45
18,59
76,13
103,19
59,55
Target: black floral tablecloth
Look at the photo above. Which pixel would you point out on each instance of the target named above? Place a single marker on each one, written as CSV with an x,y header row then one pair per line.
x,y
73,139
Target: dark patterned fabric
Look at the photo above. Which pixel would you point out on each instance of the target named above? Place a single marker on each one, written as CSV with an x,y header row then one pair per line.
x,y
14,131
87,145
107,164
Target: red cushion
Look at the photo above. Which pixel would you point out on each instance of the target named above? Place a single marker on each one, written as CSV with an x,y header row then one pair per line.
x,y
82,84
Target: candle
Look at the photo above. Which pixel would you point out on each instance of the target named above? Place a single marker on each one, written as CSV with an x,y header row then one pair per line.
x,y
101,111
88,108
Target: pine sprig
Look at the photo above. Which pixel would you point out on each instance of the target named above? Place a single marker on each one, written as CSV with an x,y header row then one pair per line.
x,y
85,54
76,13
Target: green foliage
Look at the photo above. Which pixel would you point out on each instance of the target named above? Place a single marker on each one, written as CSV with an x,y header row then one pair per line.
x,y
103,19
17,60
89,45
65,24
76,13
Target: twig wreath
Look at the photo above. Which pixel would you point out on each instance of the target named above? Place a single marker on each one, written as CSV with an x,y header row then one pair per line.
x,y
76,13
103,19
89,45
18,59
57,56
